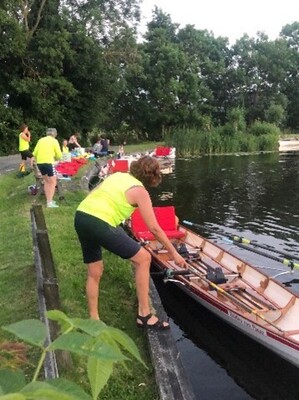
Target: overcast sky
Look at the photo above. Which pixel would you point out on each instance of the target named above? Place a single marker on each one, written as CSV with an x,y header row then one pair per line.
x,y
230,18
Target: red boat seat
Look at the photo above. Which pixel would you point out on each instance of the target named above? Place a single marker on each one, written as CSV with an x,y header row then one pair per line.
x,y
118,166
162,151
166,219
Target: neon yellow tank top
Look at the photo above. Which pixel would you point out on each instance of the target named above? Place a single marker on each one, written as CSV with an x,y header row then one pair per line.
x,y
108,201
23,144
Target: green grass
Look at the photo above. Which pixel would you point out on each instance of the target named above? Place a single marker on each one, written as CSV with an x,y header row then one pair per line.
x,y
18,297
139,147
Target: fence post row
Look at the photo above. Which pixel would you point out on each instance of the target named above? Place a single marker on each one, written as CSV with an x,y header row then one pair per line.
x,y
47,288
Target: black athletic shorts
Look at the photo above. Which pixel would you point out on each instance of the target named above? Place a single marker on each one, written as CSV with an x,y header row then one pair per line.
x,y
26,154
47,169
95,233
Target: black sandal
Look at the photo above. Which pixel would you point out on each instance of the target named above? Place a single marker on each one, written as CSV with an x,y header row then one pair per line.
x,y
158,325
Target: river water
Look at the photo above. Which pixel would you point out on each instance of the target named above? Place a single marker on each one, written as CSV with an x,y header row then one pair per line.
x,y
257,197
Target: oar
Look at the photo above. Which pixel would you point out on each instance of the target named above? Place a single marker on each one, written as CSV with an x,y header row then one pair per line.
x,y
231,297
241,239
193,271
243,243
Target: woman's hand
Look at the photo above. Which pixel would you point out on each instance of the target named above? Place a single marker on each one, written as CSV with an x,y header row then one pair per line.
x,y
179,260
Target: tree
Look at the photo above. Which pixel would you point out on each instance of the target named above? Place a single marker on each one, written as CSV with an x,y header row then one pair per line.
x,y
55,72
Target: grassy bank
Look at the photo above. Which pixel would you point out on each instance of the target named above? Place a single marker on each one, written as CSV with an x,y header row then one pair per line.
x,y
18,297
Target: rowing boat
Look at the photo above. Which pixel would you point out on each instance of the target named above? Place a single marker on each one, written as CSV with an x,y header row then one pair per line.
x,y
228,286
163,152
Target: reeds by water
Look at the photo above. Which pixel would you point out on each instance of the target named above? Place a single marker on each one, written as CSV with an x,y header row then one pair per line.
x,y
193,142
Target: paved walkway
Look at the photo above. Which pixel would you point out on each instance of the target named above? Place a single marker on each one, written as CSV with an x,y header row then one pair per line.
x,y
9,163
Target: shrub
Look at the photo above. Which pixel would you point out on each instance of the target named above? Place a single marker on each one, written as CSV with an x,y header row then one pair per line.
x,y
93,339
263,128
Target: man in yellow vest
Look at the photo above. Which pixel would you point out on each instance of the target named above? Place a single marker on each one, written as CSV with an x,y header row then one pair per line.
x,y
24,140
46,151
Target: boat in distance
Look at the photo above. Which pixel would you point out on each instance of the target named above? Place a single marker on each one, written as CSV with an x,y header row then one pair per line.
x,y
231,288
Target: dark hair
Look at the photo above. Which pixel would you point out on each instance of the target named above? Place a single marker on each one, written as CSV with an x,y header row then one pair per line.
x,y
23,127
147,170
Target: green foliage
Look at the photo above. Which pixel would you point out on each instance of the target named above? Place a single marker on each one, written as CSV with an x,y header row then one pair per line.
x,y
192,142
236,120
263,128
93,339
275,114
79,67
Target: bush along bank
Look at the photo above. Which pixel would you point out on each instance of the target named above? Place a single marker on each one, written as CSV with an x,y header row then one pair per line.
x,y
221,140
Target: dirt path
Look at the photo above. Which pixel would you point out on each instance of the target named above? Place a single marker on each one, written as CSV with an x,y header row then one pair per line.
x,y
9,163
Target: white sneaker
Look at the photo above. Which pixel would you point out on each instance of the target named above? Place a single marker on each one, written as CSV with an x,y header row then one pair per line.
x,y
52,204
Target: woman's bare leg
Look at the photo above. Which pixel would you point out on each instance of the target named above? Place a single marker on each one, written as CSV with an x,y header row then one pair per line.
x,y
94,273
142,262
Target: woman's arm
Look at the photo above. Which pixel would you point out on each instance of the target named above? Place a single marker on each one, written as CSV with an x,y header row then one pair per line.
x,y
73,140
139,196
26,137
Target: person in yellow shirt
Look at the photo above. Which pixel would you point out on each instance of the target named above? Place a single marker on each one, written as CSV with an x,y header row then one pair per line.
x,y
65,148
24,141
97,223
46,151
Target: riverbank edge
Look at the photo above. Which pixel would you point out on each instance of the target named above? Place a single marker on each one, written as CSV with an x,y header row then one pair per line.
x,y
170,374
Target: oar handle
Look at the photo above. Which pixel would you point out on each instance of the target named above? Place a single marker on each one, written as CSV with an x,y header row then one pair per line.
x,y
169,273
232,298
189,223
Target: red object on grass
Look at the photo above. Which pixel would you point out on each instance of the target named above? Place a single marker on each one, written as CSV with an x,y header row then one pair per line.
x,y
70,168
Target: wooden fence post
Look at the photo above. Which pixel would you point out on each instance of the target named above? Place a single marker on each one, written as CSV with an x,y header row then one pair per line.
x,y
48,279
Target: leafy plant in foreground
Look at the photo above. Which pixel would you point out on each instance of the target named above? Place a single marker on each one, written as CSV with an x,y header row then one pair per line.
x,y
93,339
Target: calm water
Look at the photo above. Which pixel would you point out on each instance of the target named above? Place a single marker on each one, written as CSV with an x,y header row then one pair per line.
x,y
256,197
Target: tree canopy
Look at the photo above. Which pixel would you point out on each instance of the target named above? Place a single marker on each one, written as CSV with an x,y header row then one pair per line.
x,y
81,66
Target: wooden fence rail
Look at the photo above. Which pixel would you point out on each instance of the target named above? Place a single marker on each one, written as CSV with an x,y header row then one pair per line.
x,y
47,290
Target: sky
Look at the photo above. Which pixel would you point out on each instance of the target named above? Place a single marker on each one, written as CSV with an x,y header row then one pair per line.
x,y
229,18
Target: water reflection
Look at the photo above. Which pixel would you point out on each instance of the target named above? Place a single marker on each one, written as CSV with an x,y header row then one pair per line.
x,y
256,197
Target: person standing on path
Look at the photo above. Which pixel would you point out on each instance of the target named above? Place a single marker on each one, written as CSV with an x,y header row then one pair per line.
x,y
46,151
24,141
97,223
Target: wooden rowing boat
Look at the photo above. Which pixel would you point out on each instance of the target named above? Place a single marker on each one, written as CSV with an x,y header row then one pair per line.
x,y
164,152
228,286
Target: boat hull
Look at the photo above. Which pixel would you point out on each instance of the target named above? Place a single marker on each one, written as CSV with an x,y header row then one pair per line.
x,y
234,290
275,343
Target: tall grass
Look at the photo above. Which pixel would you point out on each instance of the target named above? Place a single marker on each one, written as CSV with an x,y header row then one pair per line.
x,y
192,142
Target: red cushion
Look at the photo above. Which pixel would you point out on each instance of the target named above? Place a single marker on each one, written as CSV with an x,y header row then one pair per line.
x,y
166,219
70,168
119,166
162,151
